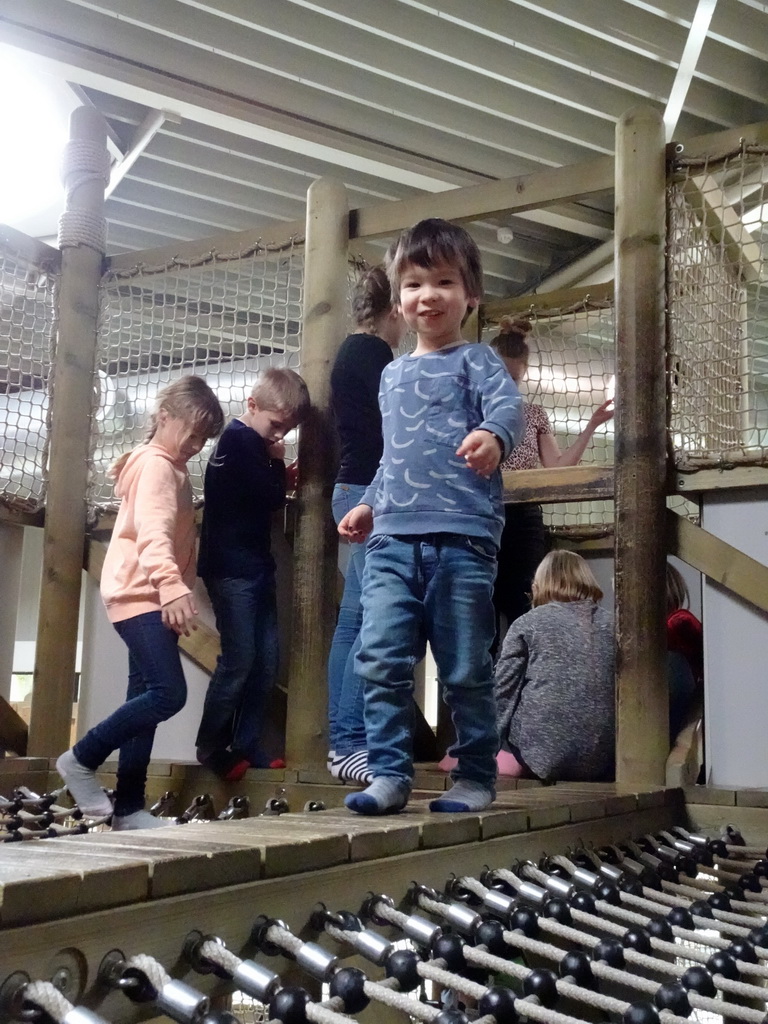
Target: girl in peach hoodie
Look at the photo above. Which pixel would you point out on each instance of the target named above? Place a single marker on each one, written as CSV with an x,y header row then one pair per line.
x,y
146,586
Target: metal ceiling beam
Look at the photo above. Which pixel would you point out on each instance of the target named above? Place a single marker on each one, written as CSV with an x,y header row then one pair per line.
x,y
142,137
687,66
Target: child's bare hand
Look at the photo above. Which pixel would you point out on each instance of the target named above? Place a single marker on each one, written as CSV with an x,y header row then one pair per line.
x,y
481,450
602,413
357,524
277,450
180,615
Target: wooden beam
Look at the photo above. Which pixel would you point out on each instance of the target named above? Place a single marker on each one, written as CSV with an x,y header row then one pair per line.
x,y
721,143
571,483
546,302
720,479
316,543
474,202
70,434
272,233
21,517
724,224
642,741
719,561
13,729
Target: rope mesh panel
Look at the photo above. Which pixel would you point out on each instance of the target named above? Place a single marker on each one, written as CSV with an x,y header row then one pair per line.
x,y
717,293
570,373
224,318
27,327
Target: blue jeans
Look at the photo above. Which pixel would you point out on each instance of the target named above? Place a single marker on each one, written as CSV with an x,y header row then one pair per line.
x,y
435,588
235,704
346,727
157,690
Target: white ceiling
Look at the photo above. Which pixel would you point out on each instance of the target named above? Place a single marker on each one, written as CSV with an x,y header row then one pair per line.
x,y
228,110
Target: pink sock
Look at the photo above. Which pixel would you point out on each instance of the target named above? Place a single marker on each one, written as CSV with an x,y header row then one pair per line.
x,y
509,765
448,763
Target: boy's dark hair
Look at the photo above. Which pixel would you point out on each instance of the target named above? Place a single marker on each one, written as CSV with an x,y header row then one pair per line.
x,y
436,241
372,298
279,389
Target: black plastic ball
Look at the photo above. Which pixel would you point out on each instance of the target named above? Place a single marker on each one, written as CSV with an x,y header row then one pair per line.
x,y
348,984
632,886
451,949
740,949
451,1017
500,1003
558,910
698,979
526,921
491,935
761,868
680,917
749,883
609,951
686,866
584,901
700,908
542,983
558,871
673,996
402,964
219,1017
651,880
289,1005
637,938
668,872
641,1013
609,892
759,936
723,963
578,966
718,848
660,928
719,901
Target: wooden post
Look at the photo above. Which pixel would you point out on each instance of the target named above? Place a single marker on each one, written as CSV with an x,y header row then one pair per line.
x,y
642,740
72,400
315,548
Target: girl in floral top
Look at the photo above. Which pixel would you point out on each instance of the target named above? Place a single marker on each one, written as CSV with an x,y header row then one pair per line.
x,y
524,541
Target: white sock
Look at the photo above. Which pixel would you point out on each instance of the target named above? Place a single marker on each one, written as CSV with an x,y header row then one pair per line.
x,y
139,819
464,795
84,788
352,767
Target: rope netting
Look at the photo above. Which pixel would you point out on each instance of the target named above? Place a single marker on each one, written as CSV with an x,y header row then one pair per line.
x,y
223,317
570,373
717,295
27,330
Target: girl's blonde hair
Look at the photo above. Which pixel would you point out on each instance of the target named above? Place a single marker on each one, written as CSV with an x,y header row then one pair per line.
x,y
564,576
677,590
189,399
510,342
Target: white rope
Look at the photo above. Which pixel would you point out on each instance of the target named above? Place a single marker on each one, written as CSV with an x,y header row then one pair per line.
x,y
220,955
48,998
378,991
283,938
155,972
81,227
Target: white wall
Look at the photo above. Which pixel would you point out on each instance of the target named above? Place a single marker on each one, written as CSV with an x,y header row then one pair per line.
x,y
736,650
11,545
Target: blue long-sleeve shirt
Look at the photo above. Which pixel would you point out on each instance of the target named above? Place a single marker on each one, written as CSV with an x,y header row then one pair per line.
x,y
429,404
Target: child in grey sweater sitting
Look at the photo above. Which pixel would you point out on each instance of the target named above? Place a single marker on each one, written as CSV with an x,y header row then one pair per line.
x,y
555,679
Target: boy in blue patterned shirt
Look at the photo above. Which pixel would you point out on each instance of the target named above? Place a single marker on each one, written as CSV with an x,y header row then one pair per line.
x,y
434,512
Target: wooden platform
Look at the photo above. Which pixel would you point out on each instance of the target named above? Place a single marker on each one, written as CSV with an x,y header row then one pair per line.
x,y
65,903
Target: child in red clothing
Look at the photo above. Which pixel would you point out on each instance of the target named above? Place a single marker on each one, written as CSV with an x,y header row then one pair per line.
x,y
685,655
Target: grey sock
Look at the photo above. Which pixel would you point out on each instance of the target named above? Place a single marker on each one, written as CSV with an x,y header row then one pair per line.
x,y
84,788
139,819
385,795
464,795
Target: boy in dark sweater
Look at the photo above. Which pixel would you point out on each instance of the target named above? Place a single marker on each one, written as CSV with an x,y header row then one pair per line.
x,y
245,482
